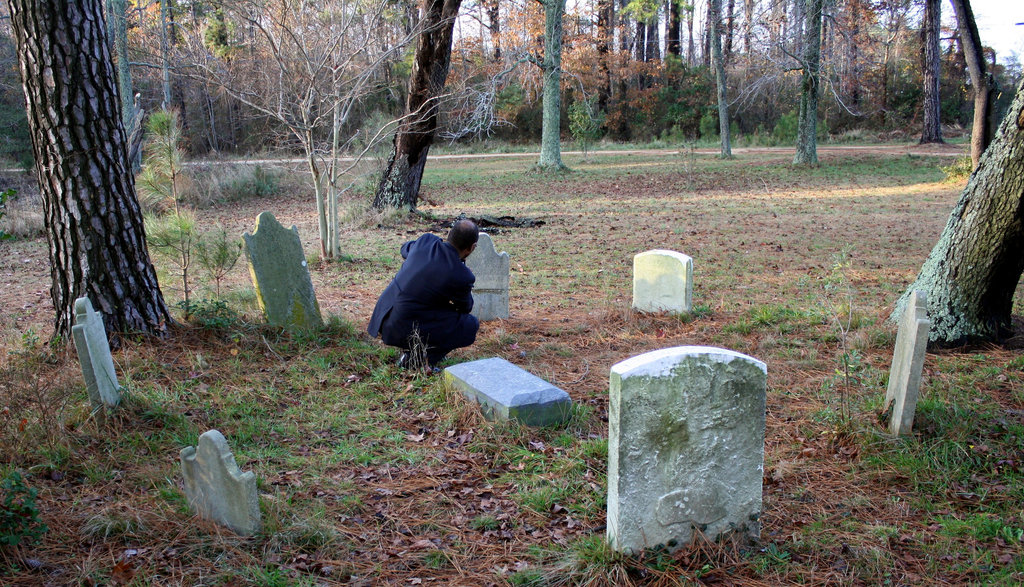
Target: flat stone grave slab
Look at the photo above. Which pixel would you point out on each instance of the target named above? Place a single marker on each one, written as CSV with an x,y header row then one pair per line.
x,y
508,392
662,282
492,269
685,447
907,364
94,356
216,488
280,274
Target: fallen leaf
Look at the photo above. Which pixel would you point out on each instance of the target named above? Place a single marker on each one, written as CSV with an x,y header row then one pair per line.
x,y
414,437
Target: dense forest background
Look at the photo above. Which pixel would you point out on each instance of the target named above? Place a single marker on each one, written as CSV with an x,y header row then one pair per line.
x,y
246,75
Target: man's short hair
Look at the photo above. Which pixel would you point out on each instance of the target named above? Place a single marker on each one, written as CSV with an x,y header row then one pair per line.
x,y
463,234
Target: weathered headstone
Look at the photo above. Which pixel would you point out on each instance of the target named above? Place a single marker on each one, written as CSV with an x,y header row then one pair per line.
x,y
94,356
662,282
507,392
280,274
216,488
685,446
491,268
907,364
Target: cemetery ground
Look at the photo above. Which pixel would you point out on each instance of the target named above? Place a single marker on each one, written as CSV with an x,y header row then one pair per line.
x,y
373,475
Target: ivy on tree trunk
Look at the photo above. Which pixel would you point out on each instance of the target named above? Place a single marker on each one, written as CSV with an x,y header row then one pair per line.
x,y
971,274
97,244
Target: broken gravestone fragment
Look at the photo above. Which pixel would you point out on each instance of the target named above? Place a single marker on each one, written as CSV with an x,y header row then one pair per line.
x,y
216,488
907,364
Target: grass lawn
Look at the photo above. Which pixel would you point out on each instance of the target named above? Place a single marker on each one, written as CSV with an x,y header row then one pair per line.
x,y
373,475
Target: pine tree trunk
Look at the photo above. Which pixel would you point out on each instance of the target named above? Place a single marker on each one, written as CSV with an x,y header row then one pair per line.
x,y
932,132
605,37
400,183
982,80
719,65
550,147
673,46
97,244
807,126
971,274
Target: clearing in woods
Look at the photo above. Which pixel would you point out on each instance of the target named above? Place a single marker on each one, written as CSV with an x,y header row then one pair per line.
x,y
370,475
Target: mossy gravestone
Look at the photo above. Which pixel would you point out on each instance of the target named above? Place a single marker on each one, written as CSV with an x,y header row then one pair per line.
x,y
216,488
662,282
907,364
685,447
491,269
94,356
280,274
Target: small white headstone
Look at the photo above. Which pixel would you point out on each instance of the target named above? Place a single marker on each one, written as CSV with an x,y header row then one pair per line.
x,y
685,447
491,268
907,364
94,356
662,282
216,488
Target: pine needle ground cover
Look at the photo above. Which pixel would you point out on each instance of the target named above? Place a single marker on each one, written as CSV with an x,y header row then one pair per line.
x,y
369,474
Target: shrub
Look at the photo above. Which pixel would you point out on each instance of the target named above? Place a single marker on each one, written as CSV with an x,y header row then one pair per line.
x,y
19,516
4,195
959,170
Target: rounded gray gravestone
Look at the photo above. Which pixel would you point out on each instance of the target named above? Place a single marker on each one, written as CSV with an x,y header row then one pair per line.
x,y
685,446
491,269
280,274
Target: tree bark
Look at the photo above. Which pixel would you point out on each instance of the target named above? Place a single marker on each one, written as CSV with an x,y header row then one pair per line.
x,y
972,273
673,46
400,183
97,244
807,126
716,60
551,130
932,132
982,80
605,37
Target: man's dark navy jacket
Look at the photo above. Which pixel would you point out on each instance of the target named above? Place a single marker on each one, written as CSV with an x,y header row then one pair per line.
x,y
431,294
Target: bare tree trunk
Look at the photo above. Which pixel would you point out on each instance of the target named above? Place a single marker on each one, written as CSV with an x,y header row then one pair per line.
x,y
717,61
807,126
690,58
97,243
400,183
706,53
748,25
971,274
551,127
494,26
605,37
932,132
982,80
729,28
673,46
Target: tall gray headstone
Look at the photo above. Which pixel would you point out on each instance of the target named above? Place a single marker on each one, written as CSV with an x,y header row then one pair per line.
x,y
492,269
280,274
94,356
216,488
907,364
662,282
685,446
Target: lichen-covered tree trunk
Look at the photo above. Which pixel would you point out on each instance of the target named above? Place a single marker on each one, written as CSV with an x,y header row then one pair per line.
x,y
718,62
551,127
400,183
97,244
982,80
807,125
971,274
932,132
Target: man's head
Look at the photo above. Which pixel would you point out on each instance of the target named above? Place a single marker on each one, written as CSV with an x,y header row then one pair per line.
x,y
463,236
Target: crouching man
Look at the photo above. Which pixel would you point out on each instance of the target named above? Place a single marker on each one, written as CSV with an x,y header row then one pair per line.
x,y
429,300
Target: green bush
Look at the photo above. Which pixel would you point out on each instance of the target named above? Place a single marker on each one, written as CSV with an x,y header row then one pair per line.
x,y
709,125
959,170
210,314
19,516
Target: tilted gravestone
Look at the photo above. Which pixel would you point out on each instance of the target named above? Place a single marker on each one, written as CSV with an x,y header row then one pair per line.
x,y
216,488
508,392
491,268
907,364
662,282
685,447
280,274
94,356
